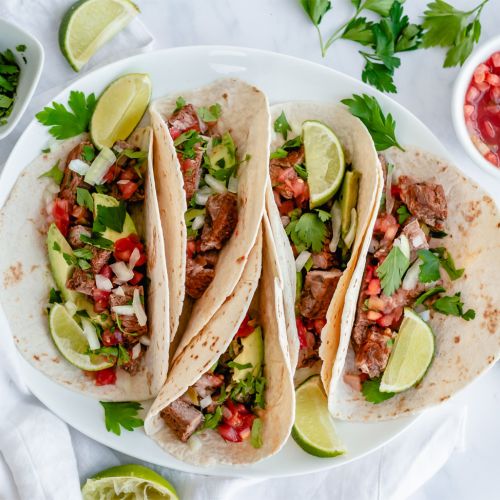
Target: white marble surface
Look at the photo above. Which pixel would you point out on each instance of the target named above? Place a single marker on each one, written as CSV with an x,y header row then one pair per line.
x,y
424,88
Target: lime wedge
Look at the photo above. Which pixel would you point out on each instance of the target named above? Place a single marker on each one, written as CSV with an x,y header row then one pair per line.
x,y
325,162
411,355
72,342
128,481
119,109
89,24
313,429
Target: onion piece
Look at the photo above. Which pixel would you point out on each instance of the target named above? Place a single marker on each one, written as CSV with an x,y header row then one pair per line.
x,y
389,200
123,310
71,308
100,166
79,166
118,291
198,222
217,186
425,315
404,245
206,401
142,319
336,213
90,332
134,258
103,283
202,198
122,272
194,442
232,185
301,260
410,280
136,351
145,340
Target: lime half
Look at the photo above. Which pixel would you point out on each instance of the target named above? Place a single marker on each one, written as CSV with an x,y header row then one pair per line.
x,y
89,24
72,342
411,355
325,162
313,429
119,109
128,481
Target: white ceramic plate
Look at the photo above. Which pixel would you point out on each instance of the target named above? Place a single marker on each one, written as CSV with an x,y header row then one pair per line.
x,y
283,78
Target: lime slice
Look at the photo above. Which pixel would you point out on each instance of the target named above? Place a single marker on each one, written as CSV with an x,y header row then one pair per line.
x,y
89,24
313,429
119,109
325,162
128,481
411,355
72,342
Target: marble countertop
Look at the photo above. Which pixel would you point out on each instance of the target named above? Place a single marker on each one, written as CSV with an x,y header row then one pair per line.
x,y
424,88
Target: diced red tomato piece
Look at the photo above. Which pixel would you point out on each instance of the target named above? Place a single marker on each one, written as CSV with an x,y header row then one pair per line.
x,y
468,110
137,278
112,173
483,86
245,328
480,73
286,207
493,79
127,189
472,94
395,191
106,271
229,433
488,130
385,321
492,158
60,212
101,300
373,315
128,175
174,133
495,97
108,338
125,246
302,332
191,248
373,287
105,377
319,325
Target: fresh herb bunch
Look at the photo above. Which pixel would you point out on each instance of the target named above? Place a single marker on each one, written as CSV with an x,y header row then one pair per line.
x,y
9,79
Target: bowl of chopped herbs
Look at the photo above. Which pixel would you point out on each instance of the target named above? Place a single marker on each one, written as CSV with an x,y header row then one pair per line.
x,y
21,62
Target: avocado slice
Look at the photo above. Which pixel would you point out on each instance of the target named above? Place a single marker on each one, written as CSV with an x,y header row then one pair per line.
x,y
223,155
253,353
104,200
348,199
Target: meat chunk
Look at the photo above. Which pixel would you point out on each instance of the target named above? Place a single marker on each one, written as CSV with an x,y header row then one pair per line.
x,y
426,201
133,366
294,157
74,236
308,355
323,260
319,287
400,298
128,323
100,259
207,384
373,354
220,221
283,180
71,180
81,281
184,419
199,275
191,172
416,237
185,119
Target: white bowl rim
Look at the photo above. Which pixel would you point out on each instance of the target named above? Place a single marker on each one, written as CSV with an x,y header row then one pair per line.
x,y
22,104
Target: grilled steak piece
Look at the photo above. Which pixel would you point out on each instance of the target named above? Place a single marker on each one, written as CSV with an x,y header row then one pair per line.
x,y
71,180
416,237
134,365
323,260
198,276
191,172
74,236
185,119
207,384
81,281
129,324
308,355
317,294
100,259
220,220
400,298
426,201
184,419
294,157
372,356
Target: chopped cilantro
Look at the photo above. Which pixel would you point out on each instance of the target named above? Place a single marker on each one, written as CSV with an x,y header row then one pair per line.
x,y
123,355
438,234
392,270
83,253
429,269
97,241
371,391
403,214
179,104
188,140
281,125
301,171
453,305
21,47
55,296
121,414
239,366
279,153
429,293
88,153
323,215
256,435
448,264
211,114
54,173
112,217
212,419
46,150
84,198
307,232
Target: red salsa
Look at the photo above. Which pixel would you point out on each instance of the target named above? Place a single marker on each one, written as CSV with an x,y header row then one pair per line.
x,y
482,109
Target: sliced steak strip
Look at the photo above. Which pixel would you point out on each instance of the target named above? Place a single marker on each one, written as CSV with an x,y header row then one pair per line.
x,y
373,354
319,287
129,324
100,259
220,220
74,236
198,276
294,157
71,180
207,384
186,118
191,172
81,281
416,237
184,419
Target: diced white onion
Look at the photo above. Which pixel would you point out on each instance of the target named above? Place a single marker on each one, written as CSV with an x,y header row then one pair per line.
x,y
134,258
122,272
91,334
145,340
301,260
194,442
403,244
232,185
49,207
411,277
136,351
142,319
285,220
118,291
217,186
52,188
202,198
123,310
206,401
103,283
71,308
336,225
198,222
79,166
100,166
123,181
374,244
425,315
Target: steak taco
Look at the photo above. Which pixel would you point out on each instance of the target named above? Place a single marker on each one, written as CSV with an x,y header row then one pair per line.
x,y
229,397
93,233
211,146
422,304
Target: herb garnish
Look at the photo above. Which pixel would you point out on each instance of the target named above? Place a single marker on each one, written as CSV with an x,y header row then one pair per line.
x,y
84,198
371,391
429,293
392,270
188,140
55,296
403,214
281,125
97,240
88,153
121,414
179,104
256,435
308,231
453,305
211,114
112,217
212,419
54,173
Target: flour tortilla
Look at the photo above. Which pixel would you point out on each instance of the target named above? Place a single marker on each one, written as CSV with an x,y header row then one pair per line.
x,y
203,351
360,152
464,349
245,115
27,280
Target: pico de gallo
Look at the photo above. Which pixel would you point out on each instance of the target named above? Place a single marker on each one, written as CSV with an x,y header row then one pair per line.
x,y
482,109
97,259
230,397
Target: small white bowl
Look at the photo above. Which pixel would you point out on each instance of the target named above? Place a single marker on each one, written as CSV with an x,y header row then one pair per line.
x,y
10,37
481,54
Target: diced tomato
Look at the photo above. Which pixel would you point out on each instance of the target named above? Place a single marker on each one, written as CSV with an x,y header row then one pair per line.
x,y
108,338
373,315
125,246
373,287
112,173
319,325
396,191
128,175
105,377
229,433
245,328
128,189
60,212
488,130
302,332
101,300
137,278
174,133
106,271
286,207
191,248
369,273
495,97
186,163
495,59
385,321
483,86
480,73
493,79
492,158
472,94
468,110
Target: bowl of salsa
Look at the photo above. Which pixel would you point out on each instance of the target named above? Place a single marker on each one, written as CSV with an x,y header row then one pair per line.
x,y
476,106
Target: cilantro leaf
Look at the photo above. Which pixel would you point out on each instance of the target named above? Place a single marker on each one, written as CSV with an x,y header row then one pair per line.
x,y
179,104
279,153
429,269
392,270
88,153
403,213
97,241
381,127
438,234
55,296
359,30
301,171
281,125
212,419
121,414
84,198
311,231
448,264
83,253
54,173
429,293
371,391
323,215
112,217
453,305
239,366
315,9
64,124
21,47
186,143
256,434
211,114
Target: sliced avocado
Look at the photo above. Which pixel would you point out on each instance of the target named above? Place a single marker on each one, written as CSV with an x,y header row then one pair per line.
x,y
298,286
253,353
348,199
104,200
226,151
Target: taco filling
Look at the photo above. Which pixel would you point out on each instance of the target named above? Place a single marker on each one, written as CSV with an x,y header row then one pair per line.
x,y
404,269
96,256
230,397
209,165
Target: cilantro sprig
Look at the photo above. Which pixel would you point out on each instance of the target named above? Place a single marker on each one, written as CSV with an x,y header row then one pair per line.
x,y
371,391
54,173
453,306
123,414
309,231
392,270
281,125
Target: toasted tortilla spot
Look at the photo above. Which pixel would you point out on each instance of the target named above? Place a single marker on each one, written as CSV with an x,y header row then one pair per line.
x,y
13,275
457,339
